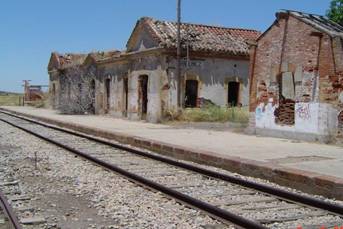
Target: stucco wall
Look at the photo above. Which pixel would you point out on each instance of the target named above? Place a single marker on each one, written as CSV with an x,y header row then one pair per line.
x,y
213,75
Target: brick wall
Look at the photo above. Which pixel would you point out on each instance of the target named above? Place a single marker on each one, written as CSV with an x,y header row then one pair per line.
x,y
310,63
267,64
300,50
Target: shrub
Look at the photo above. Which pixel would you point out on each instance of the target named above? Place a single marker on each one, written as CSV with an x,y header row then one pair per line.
x,y
214,113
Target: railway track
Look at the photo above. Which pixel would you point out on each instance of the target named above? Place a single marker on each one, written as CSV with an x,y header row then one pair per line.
x,y
10,220
230,199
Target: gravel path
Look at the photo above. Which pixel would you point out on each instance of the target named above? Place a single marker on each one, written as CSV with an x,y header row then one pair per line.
x,y
69,192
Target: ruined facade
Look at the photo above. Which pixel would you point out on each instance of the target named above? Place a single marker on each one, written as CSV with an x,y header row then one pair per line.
x,y
297,78
141,82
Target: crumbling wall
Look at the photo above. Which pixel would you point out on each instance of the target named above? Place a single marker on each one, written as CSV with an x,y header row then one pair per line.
x,y
141,40
75,92
213,75
133,67
331,81
284,113
295,84
115,72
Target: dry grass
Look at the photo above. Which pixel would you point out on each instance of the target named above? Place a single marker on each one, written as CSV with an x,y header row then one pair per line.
x,y
11,100
216,114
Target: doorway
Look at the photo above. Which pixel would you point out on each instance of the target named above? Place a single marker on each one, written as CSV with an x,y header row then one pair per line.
x,y
143,95
54,95
108,94
233,94
191,93
126,95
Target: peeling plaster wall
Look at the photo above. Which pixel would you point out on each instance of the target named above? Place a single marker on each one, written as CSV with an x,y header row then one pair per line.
x,y
309,118
154,110
150,65
214,74
115,73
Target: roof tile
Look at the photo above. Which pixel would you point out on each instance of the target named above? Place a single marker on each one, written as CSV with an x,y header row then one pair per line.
x,y
202,37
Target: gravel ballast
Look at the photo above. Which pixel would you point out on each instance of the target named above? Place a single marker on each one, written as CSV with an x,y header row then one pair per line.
x,y
69,192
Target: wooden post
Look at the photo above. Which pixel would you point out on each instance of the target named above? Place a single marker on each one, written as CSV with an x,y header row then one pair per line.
x,y
178,56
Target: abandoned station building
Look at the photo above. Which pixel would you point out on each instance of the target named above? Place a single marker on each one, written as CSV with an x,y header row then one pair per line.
x,y
297,78
141,82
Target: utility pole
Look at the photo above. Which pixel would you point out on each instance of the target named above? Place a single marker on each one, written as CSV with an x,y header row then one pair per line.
x,y
26,86
178,57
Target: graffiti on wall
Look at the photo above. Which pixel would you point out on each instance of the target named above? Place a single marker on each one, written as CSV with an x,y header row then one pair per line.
x,y
303,111
305,117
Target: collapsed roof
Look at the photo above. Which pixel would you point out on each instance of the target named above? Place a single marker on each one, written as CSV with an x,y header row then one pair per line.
x,y
63,61
67,60
319,22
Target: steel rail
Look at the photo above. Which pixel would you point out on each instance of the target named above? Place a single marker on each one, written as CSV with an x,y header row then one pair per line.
x,y
9,211
278,192
218,213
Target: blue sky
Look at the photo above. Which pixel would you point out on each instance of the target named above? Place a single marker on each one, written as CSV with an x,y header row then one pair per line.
x,y
30,30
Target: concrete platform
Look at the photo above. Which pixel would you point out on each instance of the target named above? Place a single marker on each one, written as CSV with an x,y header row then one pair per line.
x,y
310,167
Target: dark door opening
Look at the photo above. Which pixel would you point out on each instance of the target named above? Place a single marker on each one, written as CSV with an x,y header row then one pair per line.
x,y
126,95
233,94
191,93
143,95
92,87
108,94
54,95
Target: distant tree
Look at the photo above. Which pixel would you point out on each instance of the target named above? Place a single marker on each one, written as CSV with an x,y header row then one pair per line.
x,y
335,12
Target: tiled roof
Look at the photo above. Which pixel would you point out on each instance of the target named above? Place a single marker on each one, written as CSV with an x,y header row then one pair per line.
x,y
201,37
319,22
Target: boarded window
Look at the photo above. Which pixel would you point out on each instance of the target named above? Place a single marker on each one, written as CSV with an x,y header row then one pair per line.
x,y
191,93
233,94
